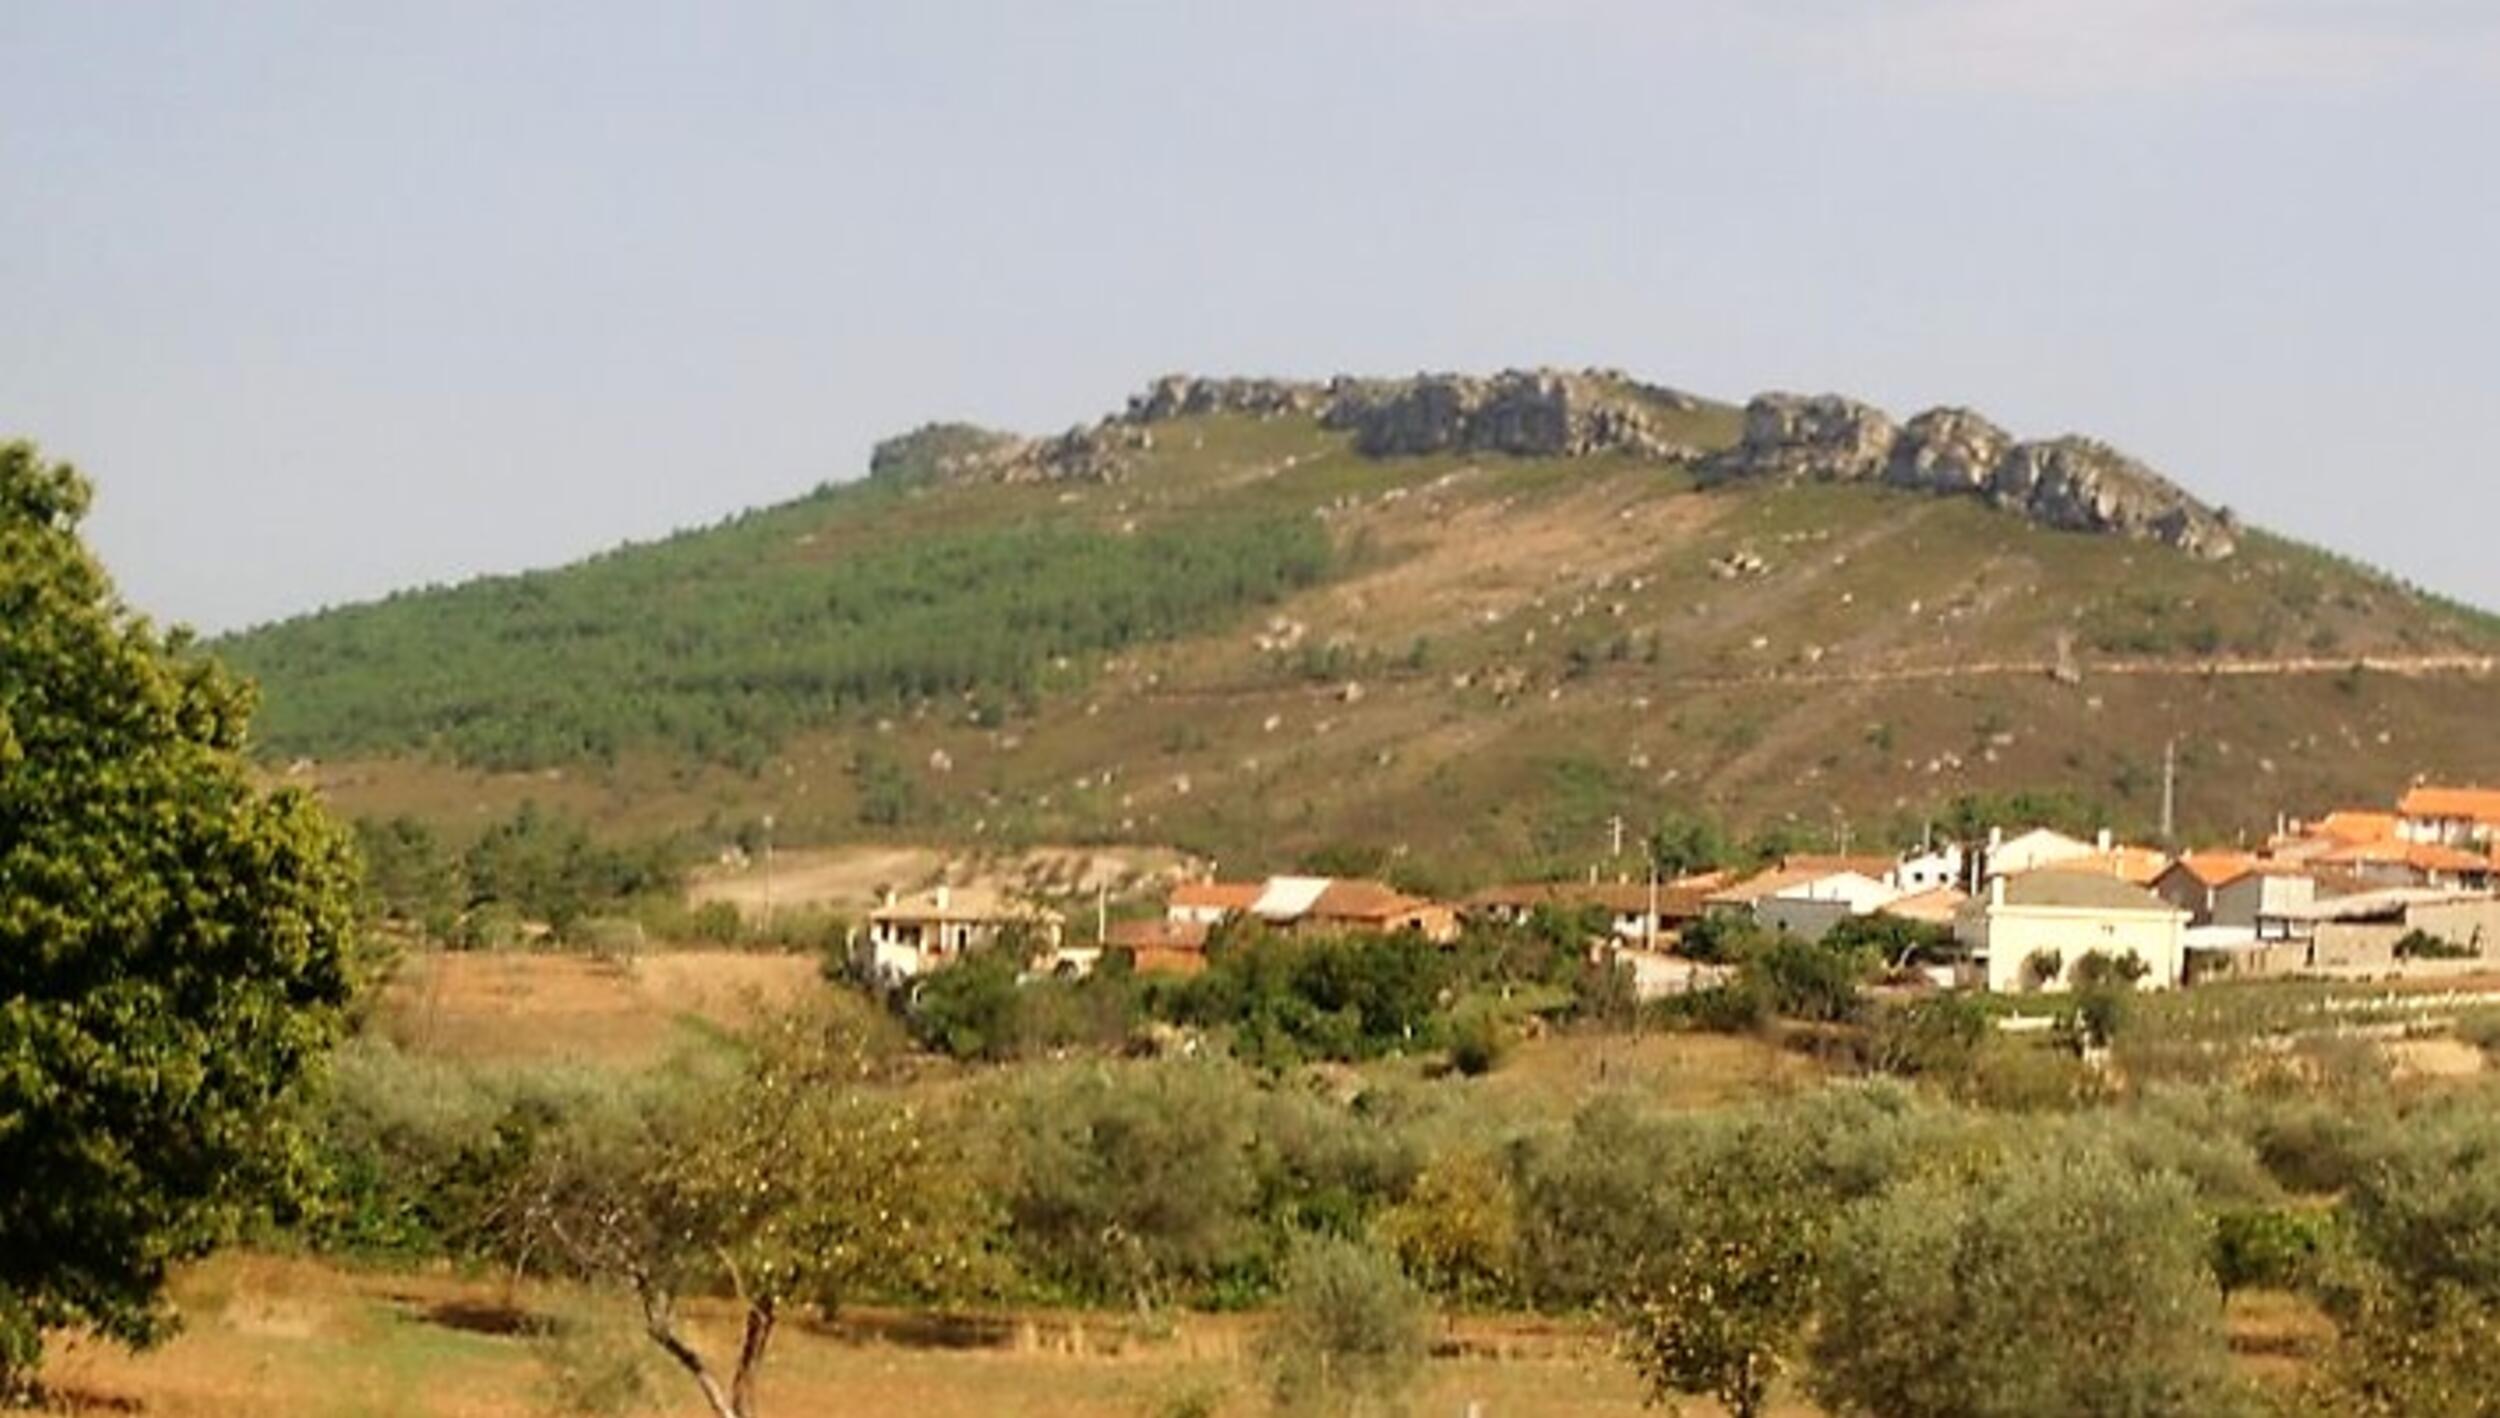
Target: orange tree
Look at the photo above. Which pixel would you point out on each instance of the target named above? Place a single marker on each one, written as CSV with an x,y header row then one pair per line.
x,y
798,1180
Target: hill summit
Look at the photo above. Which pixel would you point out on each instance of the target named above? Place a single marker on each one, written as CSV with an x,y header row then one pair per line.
x,y
2071,483
1473,617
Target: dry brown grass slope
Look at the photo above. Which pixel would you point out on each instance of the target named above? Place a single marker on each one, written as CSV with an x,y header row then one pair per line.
x,y
1515,649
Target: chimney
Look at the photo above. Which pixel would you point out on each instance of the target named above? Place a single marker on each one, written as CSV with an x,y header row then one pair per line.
x,y
1996,891
889,896
2106,841
944,897
1996,838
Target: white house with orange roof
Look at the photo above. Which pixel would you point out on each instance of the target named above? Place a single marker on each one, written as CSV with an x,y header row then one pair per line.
x,y
2450,817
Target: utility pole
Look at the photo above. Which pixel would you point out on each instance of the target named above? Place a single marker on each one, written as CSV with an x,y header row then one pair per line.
x,y
1649,923
768,871
2169,791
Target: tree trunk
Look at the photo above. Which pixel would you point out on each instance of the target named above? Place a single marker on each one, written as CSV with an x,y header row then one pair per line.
x,y
759,1333
661,1325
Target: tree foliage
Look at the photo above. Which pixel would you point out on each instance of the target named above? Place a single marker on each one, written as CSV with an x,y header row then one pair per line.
x,y
2068,1283
1349,1334
719,644
174,945
796,1181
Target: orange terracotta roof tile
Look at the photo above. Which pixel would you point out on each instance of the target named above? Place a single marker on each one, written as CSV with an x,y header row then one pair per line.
x,y
2217,868
2474,804
1216,895
2349,826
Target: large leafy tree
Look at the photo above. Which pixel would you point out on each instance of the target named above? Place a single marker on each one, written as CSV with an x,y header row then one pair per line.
x,y
174,943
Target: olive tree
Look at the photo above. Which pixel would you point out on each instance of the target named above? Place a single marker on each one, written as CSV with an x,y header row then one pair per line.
x,y
175,944
797,1181
2062,1282
2417,1298
1349,1333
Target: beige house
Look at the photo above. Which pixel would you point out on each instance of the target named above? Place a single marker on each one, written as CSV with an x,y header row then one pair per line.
x,y
2056,918
2359,934
2236,890
910,936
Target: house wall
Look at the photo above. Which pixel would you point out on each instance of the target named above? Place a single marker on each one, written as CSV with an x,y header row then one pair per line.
x,y
2355,945
2474,924
1806,920
2265,963
2253,899
1928,871
2182,889
2011,935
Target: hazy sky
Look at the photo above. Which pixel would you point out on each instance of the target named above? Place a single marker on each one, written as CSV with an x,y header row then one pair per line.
x,y
331,298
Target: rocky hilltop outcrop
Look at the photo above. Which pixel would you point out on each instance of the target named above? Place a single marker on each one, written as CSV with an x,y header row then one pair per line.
x,y
1524,413
2075,484
958,452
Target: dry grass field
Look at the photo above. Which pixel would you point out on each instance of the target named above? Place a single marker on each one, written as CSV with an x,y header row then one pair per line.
x,y
515,1008
272,1335
850,879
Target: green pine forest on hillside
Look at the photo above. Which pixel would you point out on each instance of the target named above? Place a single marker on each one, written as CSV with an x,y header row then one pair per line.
x,y
1259,643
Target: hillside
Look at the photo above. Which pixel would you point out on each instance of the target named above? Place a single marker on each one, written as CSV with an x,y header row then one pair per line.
x,y
1470,618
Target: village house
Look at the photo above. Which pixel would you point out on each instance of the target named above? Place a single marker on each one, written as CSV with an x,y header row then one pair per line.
x,y
1637,913
2399,863
2451,817
1939,907
1160,945
1930,869
908,937
2234,890
1798,873
2028,929
1809,909
2033,850
1210,903
2359,934
1372,908
1314,904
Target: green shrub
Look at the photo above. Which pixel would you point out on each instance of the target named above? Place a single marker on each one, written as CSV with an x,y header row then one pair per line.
x,y
2429,1210
1802,980
716,923
969,1010
2422,945
2017,1075
2068,1284
2482,1030
593,1364
1936,1037
1132,1183
1457,1229
2268,1248
1479,1041
1349,1334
